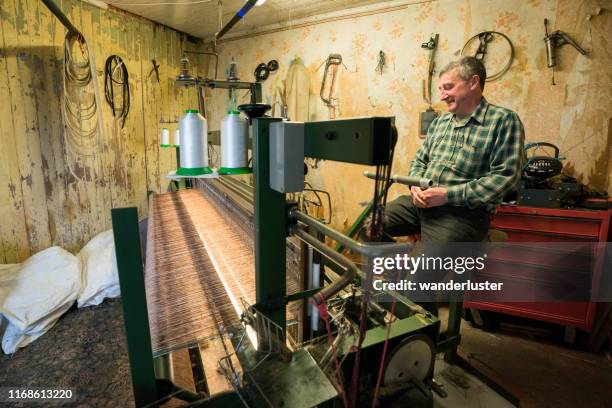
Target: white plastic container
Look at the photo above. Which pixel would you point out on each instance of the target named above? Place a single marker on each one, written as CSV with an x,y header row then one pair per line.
x,y
193,149
234,144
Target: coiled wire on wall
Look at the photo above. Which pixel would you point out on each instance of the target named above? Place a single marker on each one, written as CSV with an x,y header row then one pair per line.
x,y
83,134
115,73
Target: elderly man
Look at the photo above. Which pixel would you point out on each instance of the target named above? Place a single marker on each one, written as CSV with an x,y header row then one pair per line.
x,y
473,154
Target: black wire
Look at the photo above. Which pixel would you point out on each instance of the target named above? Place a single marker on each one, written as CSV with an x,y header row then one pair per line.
x,y
320,203
394,137
382,183
113,63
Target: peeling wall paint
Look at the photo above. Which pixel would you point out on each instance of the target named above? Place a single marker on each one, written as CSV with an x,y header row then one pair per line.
x,y
575,114
43,202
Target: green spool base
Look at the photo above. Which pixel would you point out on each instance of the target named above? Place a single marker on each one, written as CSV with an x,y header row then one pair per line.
x,y
196,171
165,145
235,170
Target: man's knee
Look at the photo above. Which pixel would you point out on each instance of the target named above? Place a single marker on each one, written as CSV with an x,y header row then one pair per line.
x,y
401,217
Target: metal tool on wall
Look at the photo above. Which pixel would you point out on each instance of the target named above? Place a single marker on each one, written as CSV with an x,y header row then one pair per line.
x,y
328,83
553,41
155,70
425,118
381,62
485,40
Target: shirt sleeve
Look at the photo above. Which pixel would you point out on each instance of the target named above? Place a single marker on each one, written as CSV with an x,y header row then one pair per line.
x,y
418,165
505,168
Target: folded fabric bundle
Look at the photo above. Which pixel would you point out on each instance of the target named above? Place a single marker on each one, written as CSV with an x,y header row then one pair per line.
x,y
100,278
34,294
37,292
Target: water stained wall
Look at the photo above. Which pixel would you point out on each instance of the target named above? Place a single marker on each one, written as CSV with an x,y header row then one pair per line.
x,y
575,113
49,196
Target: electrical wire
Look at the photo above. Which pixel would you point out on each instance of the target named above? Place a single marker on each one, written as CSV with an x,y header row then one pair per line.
x,y
384,353
381,189
83,135
323,314
115,73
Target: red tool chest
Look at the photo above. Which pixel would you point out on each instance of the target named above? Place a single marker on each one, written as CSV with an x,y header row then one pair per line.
x,y
531,224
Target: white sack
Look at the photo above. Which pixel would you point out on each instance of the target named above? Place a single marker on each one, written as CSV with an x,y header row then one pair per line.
x,y
34,294
98,270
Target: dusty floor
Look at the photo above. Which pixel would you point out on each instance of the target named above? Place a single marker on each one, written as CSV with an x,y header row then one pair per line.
x,y
86,350
540,370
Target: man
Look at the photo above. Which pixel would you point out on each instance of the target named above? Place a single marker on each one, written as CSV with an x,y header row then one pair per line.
x,y
473,154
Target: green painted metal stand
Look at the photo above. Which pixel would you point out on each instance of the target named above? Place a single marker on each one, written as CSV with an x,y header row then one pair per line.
x,y
135,316
270,226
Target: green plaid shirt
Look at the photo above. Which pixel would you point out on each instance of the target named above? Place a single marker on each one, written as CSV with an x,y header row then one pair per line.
x,y
478,159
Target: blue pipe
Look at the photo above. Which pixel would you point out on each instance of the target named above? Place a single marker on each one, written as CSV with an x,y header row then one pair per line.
x,y
237,17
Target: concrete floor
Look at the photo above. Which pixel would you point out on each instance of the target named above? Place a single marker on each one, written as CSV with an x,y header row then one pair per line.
x,y
464,389
541,371
86,350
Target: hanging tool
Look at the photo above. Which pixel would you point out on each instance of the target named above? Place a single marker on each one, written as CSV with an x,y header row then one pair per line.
x,y
425,118
154,69
554,41
484,38
382,62
331,69
430,45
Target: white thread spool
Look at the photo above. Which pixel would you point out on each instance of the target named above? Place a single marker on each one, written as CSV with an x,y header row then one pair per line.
x,y
165,137
177,138
193,150
234,139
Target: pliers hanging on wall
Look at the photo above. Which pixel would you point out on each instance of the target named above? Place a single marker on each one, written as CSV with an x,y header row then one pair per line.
x,y
154,69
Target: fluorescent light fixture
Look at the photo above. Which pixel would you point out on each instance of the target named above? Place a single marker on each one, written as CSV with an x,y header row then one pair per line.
x,y
260,2
97,3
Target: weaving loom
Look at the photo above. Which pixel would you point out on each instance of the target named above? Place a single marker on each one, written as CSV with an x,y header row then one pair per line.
x,y
198,246
194,251
225,276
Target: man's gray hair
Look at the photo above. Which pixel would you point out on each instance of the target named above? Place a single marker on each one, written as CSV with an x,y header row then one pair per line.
x,y
466,68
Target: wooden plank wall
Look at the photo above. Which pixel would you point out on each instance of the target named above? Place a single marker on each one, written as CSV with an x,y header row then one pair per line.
x,y
43,202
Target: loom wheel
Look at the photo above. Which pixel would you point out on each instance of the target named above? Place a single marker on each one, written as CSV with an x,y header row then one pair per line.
x,y
412,358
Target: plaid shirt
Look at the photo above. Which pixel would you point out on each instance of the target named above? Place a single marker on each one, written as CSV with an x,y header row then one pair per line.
x,y
478,159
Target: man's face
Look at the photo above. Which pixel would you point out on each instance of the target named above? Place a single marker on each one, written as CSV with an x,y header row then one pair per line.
x,y
457,93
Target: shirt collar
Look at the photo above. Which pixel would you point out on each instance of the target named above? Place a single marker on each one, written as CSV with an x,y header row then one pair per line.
x,y
478,115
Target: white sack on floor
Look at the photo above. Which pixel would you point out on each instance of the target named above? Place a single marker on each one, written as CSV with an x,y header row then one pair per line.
x,y
98,270
34,294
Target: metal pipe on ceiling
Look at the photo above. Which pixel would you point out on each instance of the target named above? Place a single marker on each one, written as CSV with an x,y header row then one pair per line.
x,y
237,17
62,17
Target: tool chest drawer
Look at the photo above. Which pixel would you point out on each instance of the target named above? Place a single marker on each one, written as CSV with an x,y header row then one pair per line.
x,y
546,224
533,225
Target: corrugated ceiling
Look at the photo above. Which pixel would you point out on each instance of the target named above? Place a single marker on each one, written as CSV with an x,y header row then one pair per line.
x,y
200,18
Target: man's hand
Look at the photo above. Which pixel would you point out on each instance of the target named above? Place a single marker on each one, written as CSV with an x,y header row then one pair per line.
x,y
427,198
417,197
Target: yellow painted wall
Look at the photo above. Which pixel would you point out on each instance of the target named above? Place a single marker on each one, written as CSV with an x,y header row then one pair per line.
x,y
41,202
575,114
